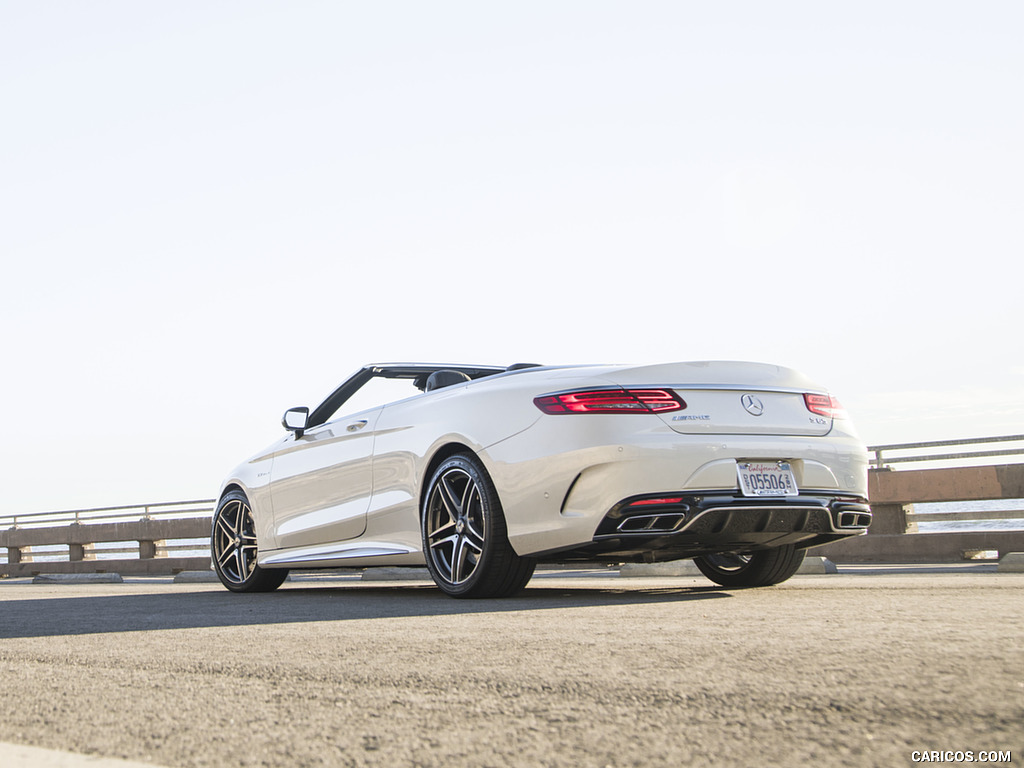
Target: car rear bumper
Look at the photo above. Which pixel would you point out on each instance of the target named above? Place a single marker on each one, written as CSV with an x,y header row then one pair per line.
x,y
561,478
650,529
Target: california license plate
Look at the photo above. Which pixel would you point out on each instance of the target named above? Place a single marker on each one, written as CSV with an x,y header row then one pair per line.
x,y
763,478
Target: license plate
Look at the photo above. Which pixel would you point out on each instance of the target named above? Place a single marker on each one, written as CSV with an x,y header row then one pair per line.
x,y
762,478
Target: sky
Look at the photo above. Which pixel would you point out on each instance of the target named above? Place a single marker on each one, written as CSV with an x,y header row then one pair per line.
x,y
213,211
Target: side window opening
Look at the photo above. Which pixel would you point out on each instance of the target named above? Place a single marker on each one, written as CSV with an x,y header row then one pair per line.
x,y
376,392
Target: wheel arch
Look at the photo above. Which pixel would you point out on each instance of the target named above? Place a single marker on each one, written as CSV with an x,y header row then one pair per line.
x,y
228,489
443,452
475,524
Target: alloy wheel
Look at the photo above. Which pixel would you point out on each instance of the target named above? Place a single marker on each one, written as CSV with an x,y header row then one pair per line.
x,y
234,541
728,562
455,525
751,569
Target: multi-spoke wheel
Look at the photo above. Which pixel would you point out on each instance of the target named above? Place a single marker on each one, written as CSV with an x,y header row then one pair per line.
x,y
464,535
751,569
233,548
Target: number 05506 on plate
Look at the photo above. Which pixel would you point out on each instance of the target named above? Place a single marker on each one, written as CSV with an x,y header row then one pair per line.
x,y
766,478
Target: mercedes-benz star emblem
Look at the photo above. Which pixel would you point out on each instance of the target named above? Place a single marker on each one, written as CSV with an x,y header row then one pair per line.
x,y
753,405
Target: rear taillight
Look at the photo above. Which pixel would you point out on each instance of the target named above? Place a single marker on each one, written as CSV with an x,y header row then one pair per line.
x,y
657,502
611,401
825,405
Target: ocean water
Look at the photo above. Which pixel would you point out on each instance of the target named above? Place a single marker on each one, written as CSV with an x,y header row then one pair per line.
x,y
1015,523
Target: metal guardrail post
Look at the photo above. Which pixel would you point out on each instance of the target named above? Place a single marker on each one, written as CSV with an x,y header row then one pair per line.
x,y
878,457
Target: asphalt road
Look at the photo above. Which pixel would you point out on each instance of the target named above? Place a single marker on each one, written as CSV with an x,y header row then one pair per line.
x,y
823,670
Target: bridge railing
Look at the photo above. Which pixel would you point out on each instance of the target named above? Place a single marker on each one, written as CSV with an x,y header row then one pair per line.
x,y
156,538
167,537
153,511
924,452
894,535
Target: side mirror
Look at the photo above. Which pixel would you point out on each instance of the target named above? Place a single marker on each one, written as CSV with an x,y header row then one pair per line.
x,y
295,420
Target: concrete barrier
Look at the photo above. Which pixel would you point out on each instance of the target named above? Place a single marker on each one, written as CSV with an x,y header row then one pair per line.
x,y
395,574
196,577
675,568
893,536
148,535
683,568
813,564
921,547
1011,563
78,578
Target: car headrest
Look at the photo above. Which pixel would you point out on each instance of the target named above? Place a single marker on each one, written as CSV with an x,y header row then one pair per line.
x,y
444,378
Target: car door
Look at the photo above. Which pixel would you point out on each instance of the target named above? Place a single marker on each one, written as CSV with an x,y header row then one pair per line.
x,y
321,482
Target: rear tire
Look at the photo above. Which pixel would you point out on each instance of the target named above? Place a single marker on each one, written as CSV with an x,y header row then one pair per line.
x,y
465,538
233,547
752,569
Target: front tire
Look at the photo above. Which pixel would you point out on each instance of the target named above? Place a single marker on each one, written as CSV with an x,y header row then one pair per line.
x,y
465,538
233,548
752,569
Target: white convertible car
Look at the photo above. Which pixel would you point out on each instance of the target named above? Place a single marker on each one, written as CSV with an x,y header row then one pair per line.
x,y
482,472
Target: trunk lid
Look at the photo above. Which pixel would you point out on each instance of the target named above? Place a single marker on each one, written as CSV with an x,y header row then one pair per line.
x,y
732,398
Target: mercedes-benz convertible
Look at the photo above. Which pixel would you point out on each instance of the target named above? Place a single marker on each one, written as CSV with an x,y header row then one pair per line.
x,y
482,472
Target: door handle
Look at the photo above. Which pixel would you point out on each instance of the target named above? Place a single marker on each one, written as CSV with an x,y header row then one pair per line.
x,y
355,426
